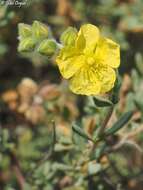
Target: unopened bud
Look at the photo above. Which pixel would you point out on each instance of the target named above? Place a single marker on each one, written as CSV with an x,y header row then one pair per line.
x,y
69,36
40,30
27,44
47,47
24,30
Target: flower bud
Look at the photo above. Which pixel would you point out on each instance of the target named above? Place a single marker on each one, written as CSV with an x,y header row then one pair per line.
x,y
69,36
47,47
24,30
40,30
27,44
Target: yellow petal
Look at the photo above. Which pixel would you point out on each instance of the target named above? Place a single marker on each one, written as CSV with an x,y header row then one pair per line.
x,y
107,77
108,52
85,82
69,61
80,41
88,36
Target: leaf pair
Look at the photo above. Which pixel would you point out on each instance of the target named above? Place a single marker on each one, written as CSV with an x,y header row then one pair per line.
x,y
116,127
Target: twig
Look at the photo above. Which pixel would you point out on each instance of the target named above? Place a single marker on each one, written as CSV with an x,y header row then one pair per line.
x,y
128,142
17,170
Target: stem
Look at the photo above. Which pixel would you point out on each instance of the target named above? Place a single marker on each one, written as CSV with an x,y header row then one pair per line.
x,y
103,126
17,170
54,136
105,121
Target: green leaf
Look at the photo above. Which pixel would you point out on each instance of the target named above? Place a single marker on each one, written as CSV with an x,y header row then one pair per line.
x,y
138,101
119,124
139,62
94,168
27,186
116,89
62,167
101,102
61,147
100,151
80,132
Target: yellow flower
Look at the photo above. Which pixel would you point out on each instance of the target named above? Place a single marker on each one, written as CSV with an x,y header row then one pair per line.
x,y
90,62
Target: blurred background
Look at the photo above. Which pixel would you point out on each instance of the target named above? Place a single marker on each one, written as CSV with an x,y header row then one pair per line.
x,y
32,94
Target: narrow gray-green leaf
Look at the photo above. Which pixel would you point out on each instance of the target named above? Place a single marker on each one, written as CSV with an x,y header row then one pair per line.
x,y
116,89
120,123
80,132
102,102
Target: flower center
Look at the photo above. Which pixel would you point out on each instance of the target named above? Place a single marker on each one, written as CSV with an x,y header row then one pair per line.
x,y
90,61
